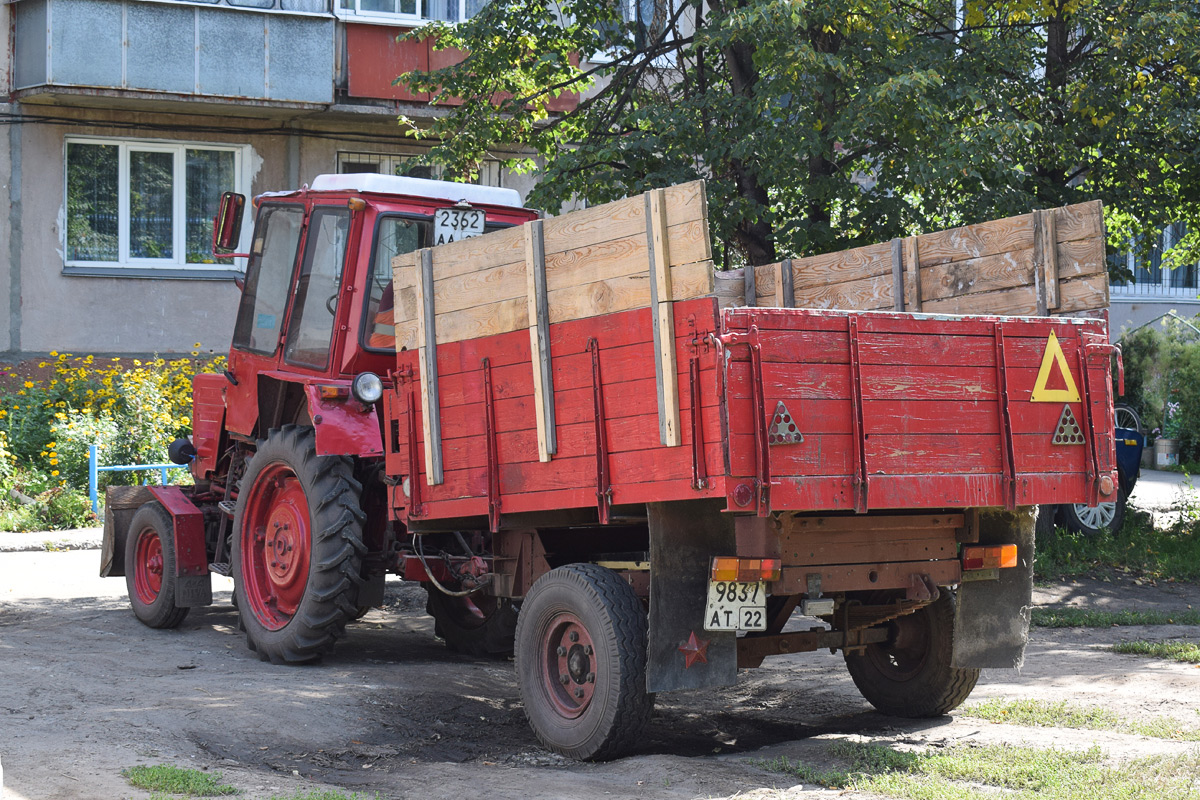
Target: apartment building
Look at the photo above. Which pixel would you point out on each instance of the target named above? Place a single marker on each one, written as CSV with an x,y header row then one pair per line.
x,y
124,120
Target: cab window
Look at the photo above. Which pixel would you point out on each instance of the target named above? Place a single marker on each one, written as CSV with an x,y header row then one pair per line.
x,y
268,278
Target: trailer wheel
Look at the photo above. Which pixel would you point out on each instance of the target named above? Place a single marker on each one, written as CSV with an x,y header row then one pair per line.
x,y
476,625
297,548
150,567
911,675
581,662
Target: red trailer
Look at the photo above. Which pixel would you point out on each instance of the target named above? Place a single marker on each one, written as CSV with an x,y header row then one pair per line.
x,y
657,489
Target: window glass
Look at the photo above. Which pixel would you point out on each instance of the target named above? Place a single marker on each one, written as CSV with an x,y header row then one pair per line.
x,y
394,236
93,224
151,204
209,172
268,278
311,330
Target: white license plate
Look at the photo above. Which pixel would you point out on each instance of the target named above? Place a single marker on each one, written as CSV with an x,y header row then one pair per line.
x,y
736,606
452,224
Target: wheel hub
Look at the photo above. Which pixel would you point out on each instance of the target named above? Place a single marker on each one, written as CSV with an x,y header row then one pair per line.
x,y
276,545
148,579
569,665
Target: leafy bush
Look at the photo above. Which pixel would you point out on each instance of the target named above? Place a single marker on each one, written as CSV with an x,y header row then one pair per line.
x,y
131,410
1162,381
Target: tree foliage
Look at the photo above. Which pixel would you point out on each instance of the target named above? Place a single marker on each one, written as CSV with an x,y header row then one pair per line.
x,y
820,126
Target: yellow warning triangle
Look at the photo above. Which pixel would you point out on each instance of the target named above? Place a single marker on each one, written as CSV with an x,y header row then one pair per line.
x,y
1054,355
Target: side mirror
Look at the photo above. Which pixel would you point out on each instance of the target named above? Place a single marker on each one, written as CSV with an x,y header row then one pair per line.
x,y
227,226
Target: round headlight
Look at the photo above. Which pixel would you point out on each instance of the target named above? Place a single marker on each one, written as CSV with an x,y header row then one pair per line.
x,y
367,388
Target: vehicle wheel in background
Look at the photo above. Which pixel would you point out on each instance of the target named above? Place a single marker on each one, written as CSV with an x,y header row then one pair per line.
x,y
1093,520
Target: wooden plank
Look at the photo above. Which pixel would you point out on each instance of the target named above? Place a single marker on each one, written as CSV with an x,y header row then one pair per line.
x,y
1079,221
865,294
989,273
897,274
539,339
912,268
430,405
1049,238
662,318
976,241
1039,263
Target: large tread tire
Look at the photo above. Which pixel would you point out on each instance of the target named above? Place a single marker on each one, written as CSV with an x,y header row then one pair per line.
x,y
295,608
150,567
912,675
580,607
479,626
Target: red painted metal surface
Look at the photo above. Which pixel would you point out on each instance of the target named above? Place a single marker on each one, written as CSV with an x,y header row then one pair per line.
x,y
897,412
191,557
148,566
344,426
208,417
375,59
276,546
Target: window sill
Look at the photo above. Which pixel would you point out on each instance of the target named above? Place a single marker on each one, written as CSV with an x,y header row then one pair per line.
x,y
159,273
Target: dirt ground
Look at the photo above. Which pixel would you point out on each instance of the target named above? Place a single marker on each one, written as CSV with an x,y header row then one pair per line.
x,y
86,691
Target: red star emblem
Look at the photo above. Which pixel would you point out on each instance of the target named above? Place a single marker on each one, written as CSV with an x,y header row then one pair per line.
x,y
694,650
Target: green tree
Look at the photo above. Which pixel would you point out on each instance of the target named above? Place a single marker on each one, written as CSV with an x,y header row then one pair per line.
x,y
821,126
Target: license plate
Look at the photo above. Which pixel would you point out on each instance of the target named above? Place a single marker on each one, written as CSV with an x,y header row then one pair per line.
x,y
736,606
452,224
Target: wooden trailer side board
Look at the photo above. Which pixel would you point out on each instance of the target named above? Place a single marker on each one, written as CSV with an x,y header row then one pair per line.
x,y
1046,262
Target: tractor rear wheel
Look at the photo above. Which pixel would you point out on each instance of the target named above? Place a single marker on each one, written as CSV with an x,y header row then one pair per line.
x,y
476,625
150,567
581,662
911,674
297,547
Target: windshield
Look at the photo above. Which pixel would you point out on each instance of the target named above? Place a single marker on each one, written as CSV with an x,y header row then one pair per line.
x,y
268,278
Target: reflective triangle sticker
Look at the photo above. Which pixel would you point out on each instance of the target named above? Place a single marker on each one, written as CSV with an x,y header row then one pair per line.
x,y
783,429
1051,358
1068,430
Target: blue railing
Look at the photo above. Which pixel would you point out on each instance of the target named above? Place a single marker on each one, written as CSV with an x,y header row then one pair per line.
x,y
94,470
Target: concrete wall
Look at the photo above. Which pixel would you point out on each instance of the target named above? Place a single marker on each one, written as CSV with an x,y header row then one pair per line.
x,y
1128,315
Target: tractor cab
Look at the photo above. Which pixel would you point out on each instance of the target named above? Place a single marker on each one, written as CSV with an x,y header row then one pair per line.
x,y
317,304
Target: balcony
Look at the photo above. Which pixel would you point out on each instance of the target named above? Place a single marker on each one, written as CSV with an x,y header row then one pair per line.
x,y
257,52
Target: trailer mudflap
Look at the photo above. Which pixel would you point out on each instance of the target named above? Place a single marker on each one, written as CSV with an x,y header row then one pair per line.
x,y
120,504
193,583
684,536
991,623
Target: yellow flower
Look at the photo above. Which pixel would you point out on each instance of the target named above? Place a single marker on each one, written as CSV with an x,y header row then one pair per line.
x,y
53,353
54,462
43,365
28,384
54,472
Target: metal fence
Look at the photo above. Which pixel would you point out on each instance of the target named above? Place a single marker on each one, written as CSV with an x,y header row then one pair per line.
x,y
94,470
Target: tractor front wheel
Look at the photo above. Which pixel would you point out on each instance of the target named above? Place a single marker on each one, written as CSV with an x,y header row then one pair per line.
x,y
297,547
581,662
150,567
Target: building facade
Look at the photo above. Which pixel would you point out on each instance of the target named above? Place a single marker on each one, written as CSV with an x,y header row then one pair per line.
x,y
126,119
1154,291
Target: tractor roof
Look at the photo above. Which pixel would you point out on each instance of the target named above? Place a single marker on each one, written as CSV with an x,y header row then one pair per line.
x,y
413,187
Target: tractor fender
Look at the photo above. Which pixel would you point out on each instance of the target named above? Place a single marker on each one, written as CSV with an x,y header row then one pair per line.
x,y
343,426
193,585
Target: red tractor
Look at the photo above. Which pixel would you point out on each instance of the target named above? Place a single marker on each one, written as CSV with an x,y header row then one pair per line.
x,y
563,416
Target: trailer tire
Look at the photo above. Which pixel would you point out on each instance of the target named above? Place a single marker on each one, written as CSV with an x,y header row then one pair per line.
x,y
1094,520
297,547
481,625
578,622
150,567
912,674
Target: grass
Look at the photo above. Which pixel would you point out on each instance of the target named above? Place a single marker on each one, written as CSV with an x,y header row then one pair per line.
x,y
165,778
1187,652
1045,714
1138,548
1021,773
1088,618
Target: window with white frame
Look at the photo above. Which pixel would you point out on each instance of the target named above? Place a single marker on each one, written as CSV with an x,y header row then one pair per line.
x,y
415,10
144,204
490,173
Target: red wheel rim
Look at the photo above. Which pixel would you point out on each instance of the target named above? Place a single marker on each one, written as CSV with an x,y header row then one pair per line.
x,y
148,574
275,543
568,665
